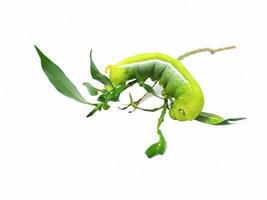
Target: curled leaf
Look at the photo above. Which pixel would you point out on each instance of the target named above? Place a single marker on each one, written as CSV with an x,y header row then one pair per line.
x,y
214,119
157,148
58,78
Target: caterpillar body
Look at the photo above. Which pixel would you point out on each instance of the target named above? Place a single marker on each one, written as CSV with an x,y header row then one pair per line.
x,y
175,79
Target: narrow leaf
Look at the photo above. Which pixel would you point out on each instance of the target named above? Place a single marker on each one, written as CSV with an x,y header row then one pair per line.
x,y
229,120
133,104
214,119
91,89
150,90
57,77
96,74
92,112
97,107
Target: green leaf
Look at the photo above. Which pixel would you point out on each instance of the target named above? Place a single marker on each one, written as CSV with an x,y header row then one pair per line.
x,y
133,104
112,95
92,112
214,119
106,106
229,120
157,148
57,77
150,90
91,89
96,74
97,107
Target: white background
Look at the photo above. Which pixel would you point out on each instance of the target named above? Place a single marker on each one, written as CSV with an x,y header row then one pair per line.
x,y
49,150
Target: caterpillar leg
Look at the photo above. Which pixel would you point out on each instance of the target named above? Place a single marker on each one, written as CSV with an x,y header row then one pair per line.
x,y
212,51
159,147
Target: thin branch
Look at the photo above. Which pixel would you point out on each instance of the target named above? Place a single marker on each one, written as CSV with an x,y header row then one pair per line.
x,y
212,51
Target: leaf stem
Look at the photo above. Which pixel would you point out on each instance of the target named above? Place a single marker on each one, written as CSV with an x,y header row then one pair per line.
x,y
159,147
163,112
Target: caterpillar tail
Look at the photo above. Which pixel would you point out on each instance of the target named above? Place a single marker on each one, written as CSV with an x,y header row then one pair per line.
x,y
117,75
107,69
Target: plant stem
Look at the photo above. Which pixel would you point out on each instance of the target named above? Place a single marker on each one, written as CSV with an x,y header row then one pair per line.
x,y
159,147
163,112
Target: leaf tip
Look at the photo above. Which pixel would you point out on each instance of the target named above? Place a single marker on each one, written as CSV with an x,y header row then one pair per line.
x,y
230,121
38,50
148,155
91,52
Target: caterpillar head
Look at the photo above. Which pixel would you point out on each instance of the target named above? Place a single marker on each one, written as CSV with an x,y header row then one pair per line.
x,y
187,107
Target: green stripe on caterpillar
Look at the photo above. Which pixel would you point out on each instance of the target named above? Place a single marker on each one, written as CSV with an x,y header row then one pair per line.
x,y
181,93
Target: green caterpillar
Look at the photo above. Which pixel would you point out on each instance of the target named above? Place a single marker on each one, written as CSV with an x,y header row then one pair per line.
x,y
181,93
174,78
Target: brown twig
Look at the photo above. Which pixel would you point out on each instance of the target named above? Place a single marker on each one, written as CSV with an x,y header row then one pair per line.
x,y
212,51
